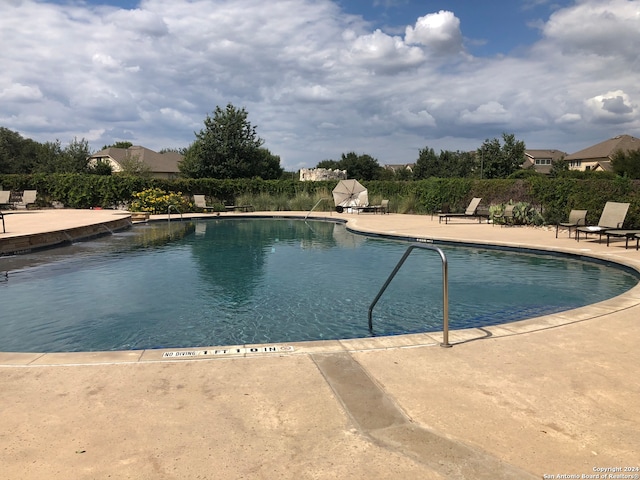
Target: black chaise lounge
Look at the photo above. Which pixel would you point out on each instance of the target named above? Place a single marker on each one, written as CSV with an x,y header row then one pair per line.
x,y
472,211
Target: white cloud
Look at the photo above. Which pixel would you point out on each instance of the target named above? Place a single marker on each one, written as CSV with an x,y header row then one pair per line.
x,y
438,31
384,53
613,107
569,118
315,81
491,112
19,92
606,28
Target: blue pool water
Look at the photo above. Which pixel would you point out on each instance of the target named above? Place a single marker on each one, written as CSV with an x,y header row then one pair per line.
x,y
238,281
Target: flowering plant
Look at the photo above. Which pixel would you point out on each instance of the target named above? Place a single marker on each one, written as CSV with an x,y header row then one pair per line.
x,y
156,200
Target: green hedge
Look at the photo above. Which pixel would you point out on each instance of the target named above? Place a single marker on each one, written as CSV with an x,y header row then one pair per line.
x,y
552,197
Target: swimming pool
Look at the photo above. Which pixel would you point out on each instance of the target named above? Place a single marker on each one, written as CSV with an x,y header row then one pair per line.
x,y
244,281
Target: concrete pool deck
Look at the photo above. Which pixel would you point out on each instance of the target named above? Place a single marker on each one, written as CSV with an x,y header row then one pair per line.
x,y
555,395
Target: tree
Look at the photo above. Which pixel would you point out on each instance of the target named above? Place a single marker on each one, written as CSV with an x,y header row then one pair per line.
x,y
229,147
134,167
100,167
446,165
500,161
48,157
52,158
17,154
359,167
121,144
427,164
329,164
626,164
77,155
559,168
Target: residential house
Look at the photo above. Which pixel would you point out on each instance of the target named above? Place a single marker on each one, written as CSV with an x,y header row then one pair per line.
x,y
598,157
542,160
161,165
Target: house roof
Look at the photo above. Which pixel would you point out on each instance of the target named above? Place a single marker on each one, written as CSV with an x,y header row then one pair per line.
x,y
605,150
552,154
604,165
399,166
157,162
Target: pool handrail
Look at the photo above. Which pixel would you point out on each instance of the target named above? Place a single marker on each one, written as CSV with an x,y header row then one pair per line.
x,y
169,213
317,203
445,289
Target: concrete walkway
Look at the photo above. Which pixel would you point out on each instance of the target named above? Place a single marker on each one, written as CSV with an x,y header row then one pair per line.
x,y
556,395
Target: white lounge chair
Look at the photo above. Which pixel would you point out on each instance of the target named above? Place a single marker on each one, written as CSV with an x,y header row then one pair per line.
x,y
4,198
28,198
201,202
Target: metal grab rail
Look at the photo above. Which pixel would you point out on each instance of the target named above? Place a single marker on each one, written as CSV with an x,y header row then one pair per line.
x,y
445,290
169,212
317,203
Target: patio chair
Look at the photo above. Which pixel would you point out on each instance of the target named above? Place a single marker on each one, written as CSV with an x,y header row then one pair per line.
x,y
470,212
201,202
612,218
384,206
506,216
28,198
577,218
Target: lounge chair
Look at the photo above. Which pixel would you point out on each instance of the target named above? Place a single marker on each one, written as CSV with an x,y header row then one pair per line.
x,y
5,198
28,198
626,234
577,218
201,202
470,212
612,218
382,208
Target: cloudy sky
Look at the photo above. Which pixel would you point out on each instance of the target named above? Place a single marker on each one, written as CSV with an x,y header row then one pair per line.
x,y
322,77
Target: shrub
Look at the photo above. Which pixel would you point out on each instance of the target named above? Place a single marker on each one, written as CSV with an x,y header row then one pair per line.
x,y
523,214
156,200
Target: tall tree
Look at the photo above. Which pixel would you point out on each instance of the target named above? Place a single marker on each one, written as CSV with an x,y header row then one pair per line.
x,y
446,165
359,167
120,144
329,164
627,164
77,155
229,147
17,154
53,158
500,161
427,164
11,146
